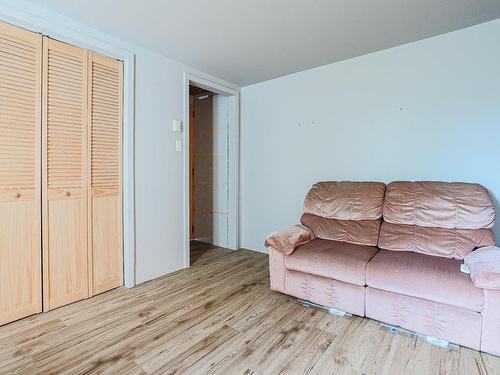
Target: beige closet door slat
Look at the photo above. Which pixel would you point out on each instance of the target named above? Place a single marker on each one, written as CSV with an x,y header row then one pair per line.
x,y
20,139
105,139
64,177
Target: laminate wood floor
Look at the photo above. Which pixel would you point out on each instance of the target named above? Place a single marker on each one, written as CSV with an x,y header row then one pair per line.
x,y
197,249
218,317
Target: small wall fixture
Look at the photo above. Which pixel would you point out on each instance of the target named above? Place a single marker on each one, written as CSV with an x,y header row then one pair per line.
x,y
178,145
177,126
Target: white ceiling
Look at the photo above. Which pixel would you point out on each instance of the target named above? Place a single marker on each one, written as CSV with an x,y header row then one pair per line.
x,y
248,41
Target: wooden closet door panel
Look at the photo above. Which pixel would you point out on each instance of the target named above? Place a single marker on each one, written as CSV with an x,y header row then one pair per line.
x,y
107,248
64,174
105,173
20,138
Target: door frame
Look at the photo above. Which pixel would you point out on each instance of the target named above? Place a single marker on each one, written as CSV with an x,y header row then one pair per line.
x,y
40,20
233,158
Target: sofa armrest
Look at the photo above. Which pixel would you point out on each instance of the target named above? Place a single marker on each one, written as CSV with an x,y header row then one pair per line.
x,y
277,271
287,239
484,267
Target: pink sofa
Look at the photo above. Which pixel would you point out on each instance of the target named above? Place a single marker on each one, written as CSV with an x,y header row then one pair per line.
x,y
393,253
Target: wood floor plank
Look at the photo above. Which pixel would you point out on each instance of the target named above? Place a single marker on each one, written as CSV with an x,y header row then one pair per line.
x,y
217,317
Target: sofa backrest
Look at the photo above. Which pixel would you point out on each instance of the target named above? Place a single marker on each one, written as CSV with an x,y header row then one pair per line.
x,y
447,219
345,211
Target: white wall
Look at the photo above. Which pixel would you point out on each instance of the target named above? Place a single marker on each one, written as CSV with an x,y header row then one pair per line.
x,y
159,90
429,110
158,167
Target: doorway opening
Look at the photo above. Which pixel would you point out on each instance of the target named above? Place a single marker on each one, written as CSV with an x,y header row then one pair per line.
x,y
209,168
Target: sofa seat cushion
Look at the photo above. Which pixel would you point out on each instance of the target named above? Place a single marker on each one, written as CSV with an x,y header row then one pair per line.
x,y
432,278
336,260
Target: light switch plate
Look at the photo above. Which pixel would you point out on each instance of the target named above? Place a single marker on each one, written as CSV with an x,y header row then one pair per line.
x,y
178,145
177,126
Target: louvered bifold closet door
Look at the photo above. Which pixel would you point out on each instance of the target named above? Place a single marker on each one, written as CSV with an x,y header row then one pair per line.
x,y
64,178
20,138
105,173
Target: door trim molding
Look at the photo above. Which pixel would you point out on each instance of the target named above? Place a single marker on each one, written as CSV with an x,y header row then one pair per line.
x,y
36,18
234,158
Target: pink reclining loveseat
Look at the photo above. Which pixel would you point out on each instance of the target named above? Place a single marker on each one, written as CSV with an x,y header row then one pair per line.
x,y
394,253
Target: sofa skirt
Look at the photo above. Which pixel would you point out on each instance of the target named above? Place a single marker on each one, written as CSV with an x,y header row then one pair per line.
x,y
490,342
326,292
453,324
